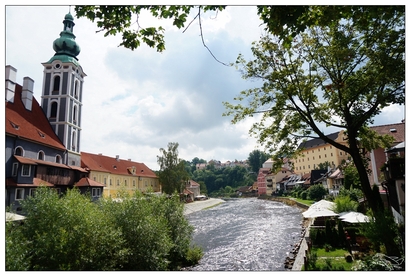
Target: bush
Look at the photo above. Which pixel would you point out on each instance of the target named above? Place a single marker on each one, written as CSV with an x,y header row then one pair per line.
x,y
316,192
72,233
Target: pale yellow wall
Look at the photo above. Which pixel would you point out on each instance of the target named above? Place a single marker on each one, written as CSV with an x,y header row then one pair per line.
x,y
114,183
310,158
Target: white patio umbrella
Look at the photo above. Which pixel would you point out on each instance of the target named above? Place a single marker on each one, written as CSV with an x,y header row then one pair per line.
x,y
354,217
13,217
319,213
321,208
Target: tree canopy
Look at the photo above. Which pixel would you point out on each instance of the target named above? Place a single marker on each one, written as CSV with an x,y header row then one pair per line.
x,y
172,173
284,21
341,75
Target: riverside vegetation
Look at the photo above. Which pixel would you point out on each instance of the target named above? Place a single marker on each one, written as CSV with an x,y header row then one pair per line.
x,y
69,232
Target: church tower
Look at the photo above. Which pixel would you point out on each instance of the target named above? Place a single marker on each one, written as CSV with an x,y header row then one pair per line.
x,y
62,92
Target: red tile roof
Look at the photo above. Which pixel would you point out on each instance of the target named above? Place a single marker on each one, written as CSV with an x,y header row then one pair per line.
x,y
395,130
101,163
87,182
37,182
31,125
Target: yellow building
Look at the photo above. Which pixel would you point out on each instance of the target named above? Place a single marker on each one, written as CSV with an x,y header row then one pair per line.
x,y
317,151
119,175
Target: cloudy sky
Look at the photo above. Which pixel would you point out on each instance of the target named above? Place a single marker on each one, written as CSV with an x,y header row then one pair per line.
x,y
136,102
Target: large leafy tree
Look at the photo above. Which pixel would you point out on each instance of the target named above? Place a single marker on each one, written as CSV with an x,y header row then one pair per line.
x,y
341,75
256,159
172,173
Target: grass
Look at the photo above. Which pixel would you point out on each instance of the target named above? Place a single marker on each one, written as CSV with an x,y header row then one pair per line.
x,y
336,257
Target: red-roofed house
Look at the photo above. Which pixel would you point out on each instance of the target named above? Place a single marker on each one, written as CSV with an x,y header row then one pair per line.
x,y
117,174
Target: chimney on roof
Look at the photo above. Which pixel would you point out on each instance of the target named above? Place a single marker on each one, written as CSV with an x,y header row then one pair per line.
x,y
27,93
117,157
11,74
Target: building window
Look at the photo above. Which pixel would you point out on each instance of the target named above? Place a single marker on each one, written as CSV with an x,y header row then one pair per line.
x,y
341,153
95,178
19,151
32,191
53,110
58,159
76,89
19,194
331,154
118,182
110,182
40,155
96,192
73,142
75,115
26,169
56,85
133,182
125,182
14,169
105,181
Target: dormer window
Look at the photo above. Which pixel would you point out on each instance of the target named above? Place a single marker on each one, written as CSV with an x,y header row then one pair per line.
x,y
15,126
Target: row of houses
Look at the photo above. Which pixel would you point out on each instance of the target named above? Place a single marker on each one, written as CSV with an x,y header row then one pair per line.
x,y
219,165
386,167
42,143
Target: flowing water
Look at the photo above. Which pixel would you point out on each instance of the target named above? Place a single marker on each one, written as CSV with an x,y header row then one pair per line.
x,y
247,234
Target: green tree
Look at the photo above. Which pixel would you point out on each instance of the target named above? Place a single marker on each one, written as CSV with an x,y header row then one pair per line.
x,y
172,173
284,21
345,204
69,233
316,192
351,178
341,75
256,159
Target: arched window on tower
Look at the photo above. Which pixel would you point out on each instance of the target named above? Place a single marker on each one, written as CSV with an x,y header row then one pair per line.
x,y
73,142
53,113
76,85
75,114
56,85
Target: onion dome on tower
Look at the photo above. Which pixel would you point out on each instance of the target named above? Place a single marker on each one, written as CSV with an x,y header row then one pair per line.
x,y
66,47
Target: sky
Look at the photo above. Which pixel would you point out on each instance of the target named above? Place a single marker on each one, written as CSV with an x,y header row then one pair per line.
x,y
136,102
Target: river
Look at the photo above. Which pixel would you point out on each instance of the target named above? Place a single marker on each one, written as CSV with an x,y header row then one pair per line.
x,y
246,234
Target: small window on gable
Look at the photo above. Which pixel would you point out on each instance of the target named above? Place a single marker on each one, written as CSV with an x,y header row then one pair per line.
x,y
15,126
42,135
40,155
58,159
19,151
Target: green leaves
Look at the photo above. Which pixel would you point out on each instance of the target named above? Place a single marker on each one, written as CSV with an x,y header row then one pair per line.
x,y
70,232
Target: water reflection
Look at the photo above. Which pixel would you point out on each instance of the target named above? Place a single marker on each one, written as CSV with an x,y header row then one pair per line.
x,y
246,235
